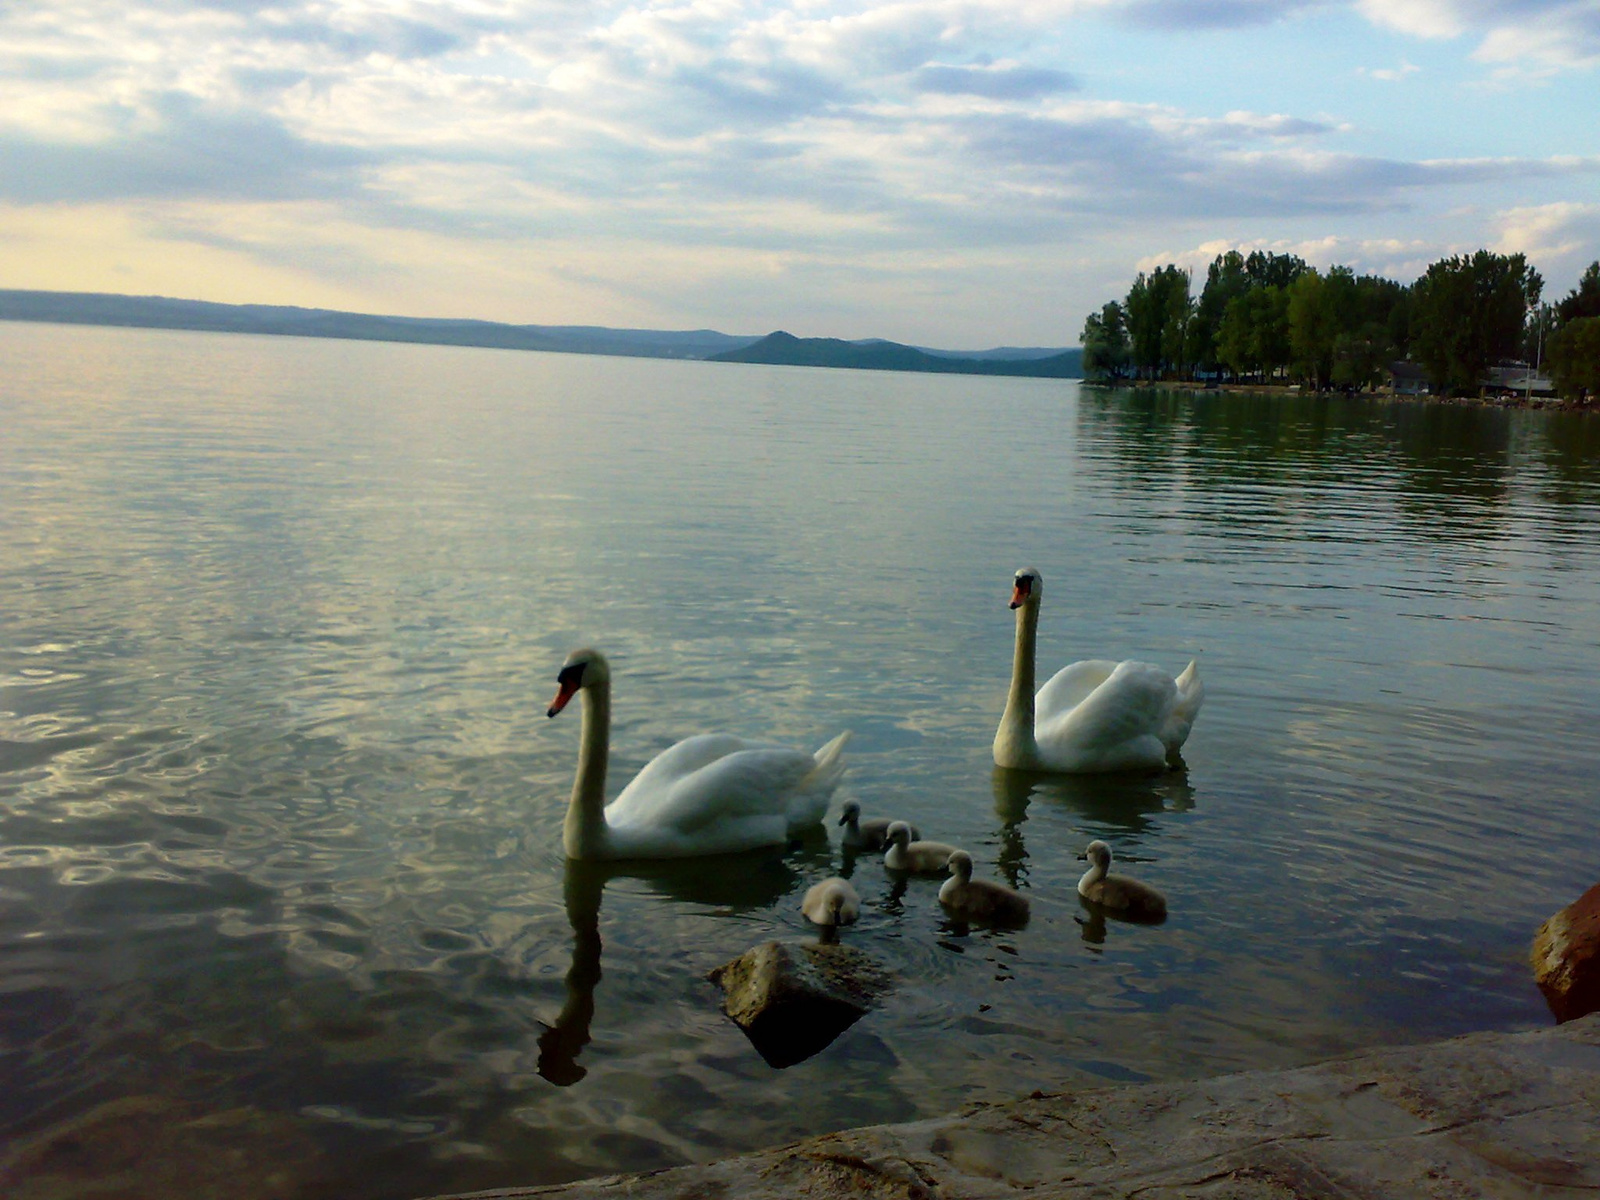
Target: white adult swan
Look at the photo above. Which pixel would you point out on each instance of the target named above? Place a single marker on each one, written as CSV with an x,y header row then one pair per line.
x,y
1094,715
712,794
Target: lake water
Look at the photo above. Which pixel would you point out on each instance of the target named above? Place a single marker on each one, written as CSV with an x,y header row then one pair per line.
x,y
283,908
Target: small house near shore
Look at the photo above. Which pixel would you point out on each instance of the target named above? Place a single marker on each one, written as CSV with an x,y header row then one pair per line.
x,y
1517,379
1407,378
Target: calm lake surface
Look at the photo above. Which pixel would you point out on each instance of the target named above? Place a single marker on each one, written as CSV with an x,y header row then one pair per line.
x,y
283,907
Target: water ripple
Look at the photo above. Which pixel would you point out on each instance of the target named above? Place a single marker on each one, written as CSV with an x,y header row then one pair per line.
x,y
280,811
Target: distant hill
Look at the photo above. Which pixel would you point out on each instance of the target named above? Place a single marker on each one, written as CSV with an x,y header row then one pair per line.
x,y
161,312
1014,353
785,349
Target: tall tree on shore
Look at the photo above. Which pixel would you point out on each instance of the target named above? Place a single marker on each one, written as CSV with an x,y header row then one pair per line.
x,y
1575,358
1235,348
1398,325
1144,327
1583,300
1468,316
1375,332
1266,269
1361,357
1254,334
1384,303
1156,303
1321,308
1105,343
1175,329
1226,280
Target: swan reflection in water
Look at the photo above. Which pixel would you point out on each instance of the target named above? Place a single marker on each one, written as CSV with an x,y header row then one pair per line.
x,y
1111,802
731,883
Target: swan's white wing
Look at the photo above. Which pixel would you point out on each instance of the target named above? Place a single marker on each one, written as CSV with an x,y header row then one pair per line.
x,y
708,780
658,775
1116,726
1070,687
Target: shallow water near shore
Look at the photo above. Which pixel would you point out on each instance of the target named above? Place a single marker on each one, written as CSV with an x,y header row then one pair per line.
x,y
282,898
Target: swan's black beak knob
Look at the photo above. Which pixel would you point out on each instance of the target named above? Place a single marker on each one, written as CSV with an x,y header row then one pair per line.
x,y
568,682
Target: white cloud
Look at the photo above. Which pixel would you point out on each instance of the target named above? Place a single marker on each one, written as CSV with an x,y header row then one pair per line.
x,y
1519,36
805,139
1401,259
1390,74
1419,18
1560,239
1563,42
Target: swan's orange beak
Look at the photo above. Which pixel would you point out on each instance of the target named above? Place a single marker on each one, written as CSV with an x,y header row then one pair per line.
x,y
1019,593
569,689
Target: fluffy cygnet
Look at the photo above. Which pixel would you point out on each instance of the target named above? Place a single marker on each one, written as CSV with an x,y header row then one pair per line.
x,y
1117,892
871,834
978,899
925,858
831,902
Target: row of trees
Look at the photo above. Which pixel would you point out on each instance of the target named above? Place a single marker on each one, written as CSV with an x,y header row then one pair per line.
x,y
1571,335
1272,316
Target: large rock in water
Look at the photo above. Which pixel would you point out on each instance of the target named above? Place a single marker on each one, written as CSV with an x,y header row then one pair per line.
x,y
1566,958
792,1000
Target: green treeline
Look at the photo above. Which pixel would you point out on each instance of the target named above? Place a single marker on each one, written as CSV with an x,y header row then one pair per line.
x,y
1272,317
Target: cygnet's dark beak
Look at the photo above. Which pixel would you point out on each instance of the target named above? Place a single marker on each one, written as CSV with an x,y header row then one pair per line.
x,y
843,820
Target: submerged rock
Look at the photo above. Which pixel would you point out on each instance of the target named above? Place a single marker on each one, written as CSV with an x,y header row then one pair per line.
x,y
1566,958
792,1000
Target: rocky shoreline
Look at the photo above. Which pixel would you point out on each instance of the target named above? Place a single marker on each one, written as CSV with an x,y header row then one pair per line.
x,y
1487,1115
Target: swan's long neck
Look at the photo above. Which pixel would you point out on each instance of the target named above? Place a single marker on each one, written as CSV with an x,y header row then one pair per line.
x,y
584,833
1096,872
1013,741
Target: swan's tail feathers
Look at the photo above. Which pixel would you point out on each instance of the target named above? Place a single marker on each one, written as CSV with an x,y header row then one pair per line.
x,y
809,800
828,769
1191,695
1190,690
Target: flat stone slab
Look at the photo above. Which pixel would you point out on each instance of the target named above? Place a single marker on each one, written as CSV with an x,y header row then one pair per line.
x,y
1487,1116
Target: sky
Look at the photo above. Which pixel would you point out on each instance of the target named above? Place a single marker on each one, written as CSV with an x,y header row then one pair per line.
x,y
959,174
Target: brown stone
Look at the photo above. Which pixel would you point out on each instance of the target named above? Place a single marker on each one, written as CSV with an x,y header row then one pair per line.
x,y
793,1000
1566,958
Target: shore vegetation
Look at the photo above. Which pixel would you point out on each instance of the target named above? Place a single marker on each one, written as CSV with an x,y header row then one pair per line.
x,y
1267,318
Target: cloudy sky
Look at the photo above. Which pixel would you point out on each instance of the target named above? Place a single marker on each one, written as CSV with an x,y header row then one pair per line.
x,y
954,173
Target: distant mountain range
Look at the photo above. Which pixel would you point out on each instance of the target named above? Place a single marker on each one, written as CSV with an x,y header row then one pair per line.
x,y
160,312
787,350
